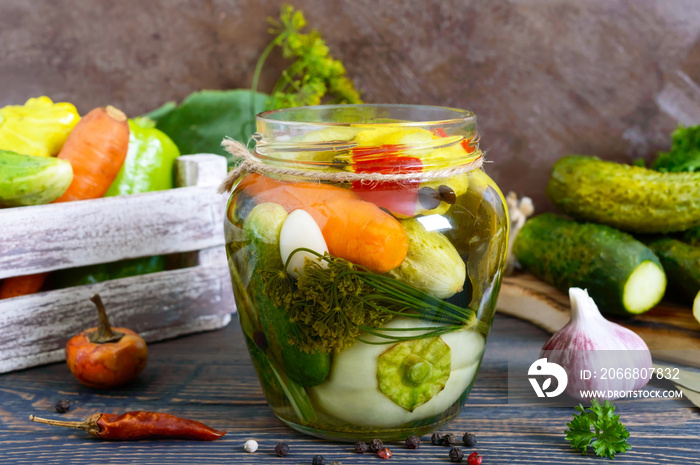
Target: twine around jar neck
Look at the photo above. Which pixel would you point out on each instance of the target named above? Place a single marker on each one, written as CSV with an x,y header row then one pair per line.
x,y
248,162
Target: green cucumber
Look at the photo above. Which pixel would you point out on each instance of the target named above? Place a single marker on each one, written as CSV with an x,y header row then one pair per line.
x,y
622,275
692,236
29,180
630,198
261,230
681,263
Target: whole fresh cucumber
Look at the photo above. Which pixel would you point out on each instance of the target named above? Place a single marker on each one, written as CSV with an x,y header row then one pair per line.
x,y
261,230
621,274
692,236
29,180
626,197
681,263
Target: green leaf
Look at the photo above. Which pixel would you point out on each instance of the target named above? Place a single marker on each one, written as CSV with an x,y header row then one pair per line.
x,y
684,154
204,118
607,437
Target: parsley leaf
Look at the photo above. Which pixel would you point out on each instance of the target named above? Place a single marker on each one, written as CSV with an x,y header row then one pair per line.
x,y
607,437
684,154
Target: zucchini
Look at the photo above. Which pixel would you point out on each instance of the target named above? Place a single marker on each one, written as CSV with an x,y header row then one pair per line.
x,y
261,230
29,180
696,307
681,263
630,198
621,274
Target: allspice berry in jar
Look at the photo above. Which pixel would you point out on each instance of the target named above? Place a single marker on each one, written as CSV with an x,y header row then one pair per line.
x,y
366,246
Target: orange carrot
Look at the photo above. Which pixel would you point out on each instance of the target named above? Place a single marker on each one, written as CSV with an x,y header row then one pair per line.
x,y
355,230
96,149
22,285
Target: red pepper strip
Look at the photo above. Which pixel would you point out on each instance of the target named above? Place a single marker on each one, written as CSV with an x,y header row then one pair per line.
x,y
396,196
465,142
139,425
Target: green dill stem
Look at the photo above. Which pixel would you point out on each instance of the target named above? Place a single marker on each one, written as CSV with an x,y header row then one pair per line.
x,y
262,59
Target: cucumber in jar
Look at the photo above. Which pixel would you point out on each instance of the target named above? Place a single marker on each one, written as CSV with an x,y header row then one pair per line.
x,y
261,231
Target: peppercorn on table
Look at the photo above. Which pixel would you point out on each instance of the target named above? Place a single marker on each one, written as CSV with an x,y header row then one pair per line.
x,y
209,378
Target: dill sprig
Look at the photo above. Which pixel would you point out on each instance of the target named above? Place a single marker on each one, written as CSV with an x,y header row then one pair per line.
x,y
313,73
333,301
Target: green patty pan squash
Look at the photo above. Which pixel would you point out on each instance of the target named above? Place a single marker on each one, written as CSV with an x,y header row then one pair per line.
x,y
27,180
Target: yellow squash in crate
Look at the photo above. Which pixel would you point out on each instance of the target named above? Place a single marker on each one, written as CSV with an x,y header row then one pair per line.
x,y
39,127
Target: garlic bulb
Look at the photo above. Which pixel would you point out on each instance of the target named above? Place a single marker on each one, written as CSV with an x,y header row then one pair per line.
x,y
597,354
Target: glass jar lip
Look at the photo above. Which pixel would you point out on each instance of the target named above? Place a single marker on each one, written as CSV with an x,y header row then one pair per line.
x,y
460,115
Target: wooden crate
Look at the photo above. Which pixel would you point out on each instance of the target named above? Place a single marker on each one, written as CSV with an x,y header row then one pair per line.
x,y
35,328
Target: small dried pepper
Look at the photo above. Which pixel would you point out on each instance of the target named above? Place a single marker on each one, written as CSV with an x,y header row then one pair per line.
x,y
106,357
139,425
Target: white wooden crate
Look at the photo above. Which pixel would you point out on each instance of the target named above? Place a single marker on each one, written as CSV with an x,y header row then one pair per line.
x,y
35,328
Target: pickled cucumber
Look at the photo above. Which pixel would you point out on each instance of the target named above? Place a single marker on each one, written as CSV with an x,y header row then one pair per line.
x,y
261,230
681,263
621,274
626,197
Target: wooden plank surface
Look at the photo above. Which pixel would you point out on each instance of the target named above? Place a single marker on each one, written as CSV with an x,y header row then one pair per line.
x,y
209,377
667,327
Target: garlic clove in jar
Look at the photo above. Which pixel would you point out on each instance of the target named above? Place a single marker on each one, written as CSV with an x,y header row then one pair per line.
x,y
300,230
613,358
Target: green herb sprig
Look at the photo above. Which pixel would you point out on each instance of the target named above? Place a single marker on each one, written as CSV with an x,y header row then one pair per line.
x,y
333,301
599,428
313,73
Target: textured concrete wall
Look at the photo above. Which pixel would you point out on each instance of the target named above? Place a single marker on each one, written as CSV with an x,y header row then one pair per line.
x,y
546,77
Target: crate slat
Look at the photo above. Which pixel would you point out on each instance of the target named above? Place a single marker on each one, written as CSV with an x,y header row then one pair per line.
x,y
35,328
58,236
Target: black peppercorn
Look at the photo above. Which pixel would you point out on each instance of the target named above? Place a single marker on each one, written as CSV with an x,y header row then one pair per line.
x,y
413,442
318,460
456,455
360,448
62,406
436,439
375,445
449,440
282,449
469,439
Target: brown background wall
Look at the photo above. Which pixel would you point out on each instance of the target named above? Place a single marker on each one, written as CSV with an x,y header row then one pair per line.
x,y
546,77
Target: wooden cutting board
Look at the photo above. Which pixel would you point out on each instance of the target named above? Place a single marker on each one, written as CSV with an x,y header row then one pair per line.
x,y
668,328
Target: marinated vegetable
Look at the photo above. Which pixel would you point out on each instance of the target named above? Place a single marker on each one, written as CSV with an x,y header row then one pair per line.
x,y
432,263
620,273
356,378
626,197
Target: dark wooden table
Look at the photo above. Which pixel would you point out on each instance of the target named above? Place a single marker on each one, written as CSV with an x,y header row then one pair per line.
x,y
209,377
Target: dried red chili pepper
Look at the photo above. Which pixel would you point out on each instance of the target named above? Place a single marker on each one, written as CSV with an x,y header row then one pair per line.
x,y
139,425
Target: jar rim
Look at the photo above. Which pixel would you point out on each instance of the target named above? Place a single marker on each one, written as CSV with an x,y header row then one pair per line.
x,y
457,116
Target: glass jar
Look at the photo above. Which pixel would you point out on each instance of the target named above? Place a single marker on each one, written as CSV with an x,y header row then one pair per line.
x,y
366,254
